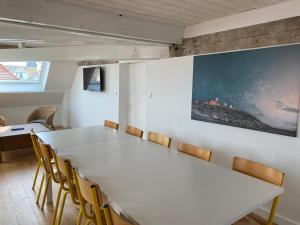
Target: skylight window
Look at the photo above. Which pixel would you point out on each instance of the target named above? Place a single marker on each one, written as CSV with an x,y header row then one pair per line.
x,y
30,71
26,76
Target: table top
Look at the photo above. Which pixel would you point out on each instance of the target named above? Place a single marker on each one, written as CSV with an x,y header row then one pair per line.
x,y
6,131
154,185
79,136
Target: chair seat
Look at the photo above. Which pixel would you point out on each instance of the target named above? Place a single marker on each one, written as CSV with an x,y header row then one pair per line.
x,y
252,219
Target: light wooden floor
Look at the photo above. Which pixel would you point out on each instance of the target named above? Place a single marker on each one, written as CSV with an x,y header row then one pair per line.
x,y
17,200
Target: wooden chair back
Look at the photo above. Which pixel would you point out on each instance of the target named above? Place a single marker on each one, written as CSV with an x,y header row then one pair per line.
x,y
111,124
195,151
64,171
46,156
88,193
59,163
35,144
258,170
71,181
34,140
134,131
113,218
261,172
159,139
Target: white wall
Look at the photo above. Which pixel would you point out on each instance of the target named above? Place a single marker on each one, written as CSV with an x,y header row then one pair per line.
x,y
61,75
92,108
137,95
123,95
15,107
169,111
18,115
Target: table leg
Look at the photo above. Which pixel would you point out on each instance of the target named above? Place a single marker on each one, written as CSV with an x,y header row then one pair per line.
x,y
49,192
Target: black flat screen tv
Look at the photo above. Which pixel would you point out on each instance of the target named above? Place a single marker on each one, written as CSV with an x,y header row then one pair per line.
x,y
93,79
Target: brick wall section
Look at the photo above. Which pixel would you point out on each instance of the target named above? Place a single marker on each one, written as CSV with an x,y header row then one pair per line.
x,y
280,32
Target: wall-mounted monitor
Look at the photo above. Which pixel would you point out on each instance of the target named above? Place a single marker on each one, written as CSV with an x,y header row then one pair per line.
x,y
93,79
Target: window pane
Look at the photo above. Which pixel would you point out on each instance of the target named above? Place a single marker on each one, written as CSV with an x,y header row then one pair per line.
x,y
21,71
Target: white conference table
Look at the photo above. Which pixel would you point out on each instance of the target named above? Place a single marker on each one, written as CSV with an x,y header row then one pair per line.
x,y
152,185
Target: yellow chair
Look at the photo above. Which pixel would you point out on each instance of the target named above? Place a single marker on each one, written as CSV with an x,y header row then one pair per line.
x,y
66,180
134,131
34,139
264,173
89,194
159,139
195,151
113,218
111,124
50,174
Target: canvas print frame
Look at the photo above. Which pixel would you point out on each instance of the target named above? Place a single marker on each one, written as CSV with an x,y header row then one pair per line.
x,y
255,89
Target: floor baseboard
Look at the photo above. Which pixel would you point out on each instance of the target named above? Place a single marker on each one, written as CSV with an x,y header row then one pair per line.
x,y
281,220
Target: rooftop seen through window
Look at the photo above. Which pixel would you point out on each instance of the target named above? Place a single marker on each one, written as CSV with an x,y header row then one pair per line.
x,y
29,71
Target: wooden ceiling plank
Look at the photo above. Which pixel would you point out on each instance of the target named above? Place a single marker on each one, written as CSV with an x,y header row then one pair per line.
x,y
207,6
249,4
150,9
192,9
127,11
179,11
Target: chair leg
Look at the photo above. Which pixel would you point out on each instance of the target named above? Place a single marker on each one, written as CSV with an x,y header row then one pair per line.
x,y
51,126
107,215
45,192
273,211
40,190
91,209
88,222
36,174
62,208
79,218
56,205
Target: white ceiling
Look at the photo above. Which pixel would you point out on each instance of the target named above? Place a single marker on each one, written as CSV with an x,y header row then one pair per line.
x,y
181,12
14,31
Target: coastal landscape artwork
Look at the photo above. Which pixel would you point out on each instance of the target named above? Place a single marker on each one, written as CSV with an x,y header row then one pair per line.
x,y
255,89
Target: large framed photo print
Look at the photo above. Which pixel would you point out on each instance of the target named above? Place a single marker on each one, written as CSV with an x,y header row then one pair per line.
x,y
255,89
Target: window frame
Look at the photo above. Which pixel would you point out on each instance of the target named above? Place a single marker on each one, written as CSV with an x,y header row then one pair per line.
x,y
17,86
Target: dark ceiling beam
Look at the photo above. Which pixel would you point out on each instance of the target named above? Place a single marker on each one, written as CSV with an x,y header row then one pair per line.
x,y
96,62
3,46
